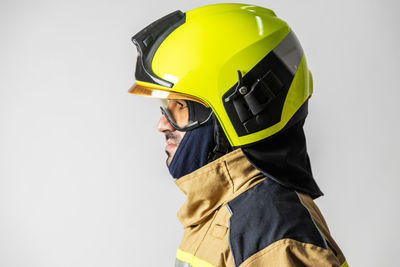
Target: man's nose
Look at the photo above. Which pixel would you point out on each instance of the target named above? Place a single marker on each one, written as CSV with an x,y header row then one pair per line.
x,y
164,125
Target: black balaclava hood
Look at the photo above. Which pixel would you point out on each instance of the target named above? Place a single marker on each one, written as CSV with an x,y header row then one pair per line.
x,y
193,150
196,146
283,157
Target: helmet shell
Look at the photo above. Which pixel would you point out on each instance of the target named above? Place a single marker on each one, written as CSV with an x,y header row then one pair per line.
x,y
202,57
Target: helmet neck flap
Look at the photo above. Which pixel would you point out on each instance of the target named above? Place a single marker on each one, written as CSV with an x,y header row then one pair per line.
x,y
283,157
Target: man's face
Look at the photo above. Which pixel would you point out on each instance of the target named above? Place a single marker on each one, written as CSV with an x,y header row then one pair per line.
x,y
173,137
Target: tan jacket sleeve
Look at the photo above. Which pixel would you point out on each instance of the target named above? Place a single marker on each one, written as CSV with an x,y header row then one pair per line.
x,y
289,252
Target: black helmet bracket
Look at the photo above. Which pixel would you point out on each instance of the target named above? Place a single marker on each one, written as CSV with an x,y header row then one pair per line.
x,y
256,101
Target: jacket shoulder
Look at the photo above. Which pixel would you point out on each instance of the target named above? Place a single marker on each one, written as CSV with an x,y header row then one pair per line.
x,y
265,214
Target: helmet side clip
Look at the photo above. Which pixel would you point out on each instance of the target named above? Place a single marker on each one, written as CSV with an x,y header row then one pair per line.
x,y
256,101
261,92
240,89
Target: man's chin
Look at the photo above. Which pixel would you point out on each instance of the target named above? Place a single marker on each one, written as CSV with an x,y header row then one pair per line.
x,y
169,159
170,154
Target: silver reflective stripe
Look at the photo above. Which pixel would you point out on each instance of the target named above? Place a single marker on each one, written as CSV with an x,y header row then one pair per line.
x,y
229,209
290,52
229,233
179,263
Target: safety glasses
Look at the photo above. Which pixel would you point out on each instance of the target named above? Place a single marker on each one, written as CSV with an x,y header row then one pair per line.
x,y
185,115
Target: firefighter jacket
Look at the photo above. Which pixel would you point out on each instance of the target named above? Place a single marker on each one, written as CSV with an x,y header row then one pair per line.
x,y
235,216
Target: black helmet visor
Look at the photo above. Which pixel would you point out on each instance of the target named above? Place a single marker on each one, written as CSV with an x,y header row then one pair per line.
x,y
148,40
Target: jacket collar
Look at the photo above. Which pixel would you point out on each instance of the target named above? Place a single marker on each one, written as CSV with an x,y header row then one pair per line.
x,y
215,184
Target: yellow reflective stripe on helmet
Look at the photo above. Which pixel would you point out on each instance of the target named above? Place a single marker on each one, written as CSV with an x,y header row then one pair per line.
x,y
345,264
185,257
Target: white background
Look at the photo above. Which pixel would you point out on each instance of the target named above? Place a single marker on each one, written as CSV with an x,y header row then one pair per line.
x,y
83,180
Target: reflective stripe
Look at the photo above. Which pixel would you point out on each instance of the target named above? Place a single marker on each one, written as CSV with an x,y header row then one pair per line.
x,y
184,256
185,259
179,263
290,52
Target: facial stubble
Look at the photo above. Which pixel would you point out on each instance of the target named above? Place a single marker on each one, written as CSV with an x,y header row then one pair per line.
x,y
175,138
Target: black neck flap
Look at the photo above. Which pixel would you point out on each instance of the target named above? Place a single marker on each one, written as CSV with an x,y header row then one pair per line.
x,y
283,158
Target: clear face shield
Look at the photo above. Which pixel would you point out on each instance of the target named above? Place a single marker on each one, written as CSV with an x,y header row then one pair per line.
x,y
185,115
